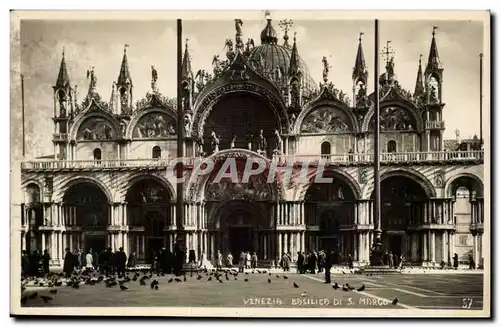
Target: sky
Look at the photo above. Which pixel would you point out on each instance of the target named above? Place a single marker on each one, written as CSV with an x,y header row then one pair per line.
x,y
100,44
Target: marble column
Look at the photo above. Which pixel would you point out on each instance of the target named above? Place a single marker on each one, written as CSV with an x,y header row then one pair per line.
x,y
285,242
433,246
265,245
474,249
280,245
43,241
355,247
444,247
425,249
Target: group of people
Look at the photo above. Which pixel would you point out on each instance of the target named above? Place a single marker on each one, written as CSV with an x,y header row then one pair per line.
x,y
35,264
245,260
106,261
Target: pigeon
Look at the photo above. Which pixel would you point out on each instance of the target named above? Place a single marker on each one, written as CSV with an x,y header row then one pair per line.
x,y
395,301
220,281
53,291
335,286
345,288
362,288
178,280
199,277
269,281
185,278
285,277
142,282
209,279
46,299
123,287
171,280
295,285
277,276
246,279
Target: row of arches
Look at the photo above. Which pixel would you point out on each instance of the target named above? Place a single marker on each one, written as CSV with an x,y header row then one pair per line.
x,y
156,153
326,147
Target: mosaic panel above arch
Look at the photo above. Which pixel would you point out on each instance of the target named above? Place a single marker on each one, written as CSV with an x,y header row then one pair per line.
x,y
394,118
96,129
154,125
326,120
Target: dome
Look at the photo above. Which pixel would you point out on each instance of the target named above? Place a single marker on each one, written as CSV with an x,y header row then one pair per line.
x,y
271,57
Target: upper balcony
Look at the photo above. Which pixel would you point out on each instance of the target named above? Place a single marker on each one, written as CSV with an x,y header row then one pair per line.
x,y
434,124
348,159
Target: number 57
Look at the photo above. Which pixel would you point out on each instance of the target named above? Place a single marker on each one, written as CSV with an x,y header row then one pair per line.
x,y
466,303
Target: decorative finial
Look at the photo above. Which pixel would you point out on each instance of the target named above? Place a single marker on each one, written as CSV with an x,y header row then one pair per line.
x,y
125,48
481,55
187,40
63,52
434,28
268,15
387,52
285,25
360,35
420,59
294,37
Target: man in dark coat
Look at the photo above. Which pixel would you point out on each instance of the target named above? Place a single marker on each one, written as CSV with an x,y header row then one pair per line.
x,y
455,261
328,265
108,262
120,261
69,263
300,263
45,262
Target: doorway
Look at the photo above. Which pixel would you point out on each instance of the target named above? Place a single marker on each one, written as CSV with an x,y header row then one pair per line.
x,y
240,239
396,244
96,243
155,244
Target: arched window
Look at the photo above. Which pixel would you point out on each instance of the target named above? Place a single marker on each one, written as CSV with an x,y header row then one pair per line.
x,y
156,152
326,149
97,154
391,146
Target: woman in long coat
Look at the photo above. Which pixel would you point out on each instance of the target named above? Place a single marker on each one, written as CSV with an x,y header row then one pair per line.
x,y
285,262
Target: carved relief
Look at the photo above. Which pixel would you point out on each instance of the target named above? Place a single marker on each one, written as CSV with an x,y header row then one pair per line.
x,y
154,125
394,118
362,175
255,189
325,120
96,129
439,179
49,184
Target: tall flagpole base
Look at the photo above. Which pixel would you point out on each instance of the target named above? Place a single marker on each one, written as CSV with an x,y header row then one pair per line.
x,y
377,252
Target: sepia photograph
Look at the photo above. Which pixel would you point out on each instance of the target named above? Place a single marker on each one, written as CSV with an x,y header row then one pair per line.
x,y
263,163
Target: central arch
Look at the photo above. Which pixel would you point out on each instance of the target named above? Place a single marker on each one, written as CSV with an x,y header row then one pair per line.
x,y
86,207
149,213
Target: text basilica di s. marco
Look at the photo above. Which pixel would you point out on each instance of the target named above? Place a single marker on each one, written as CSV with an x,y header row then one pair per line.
x,y
107,183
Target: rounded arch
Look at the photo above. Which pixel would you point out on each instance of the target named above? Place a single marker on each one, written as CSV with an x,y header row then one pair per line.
x,y
138,178
205,105
471,181
411,174
141,115
98,125
32,193
326,147
84,180
399,105
222,211
342,176
195,189
323,109
156,152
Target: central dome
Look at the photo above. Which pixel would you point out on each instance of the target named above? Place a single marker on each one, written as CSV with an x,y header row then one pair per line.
x,y
273,61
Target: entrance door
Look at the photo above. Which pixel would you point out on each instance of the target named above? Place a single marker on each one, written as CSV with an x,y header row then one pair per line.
x,y
240,239
329,244
396,244
154,246
96,243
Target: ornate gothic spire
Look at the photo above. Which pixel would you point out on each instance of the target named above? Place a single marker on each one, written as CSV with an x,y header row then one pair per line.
x,y
433,63
285,25
419,84
62,77
187,72
124,78
268,34
359,71
294,58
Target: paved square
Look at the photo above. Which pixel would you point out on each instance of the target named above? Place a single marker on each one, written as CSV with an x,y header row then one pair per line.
x,y
457,291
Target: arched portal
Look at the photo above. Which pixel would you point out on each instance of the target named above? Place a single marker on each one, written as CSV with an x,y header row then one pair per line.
x,y
236,116
329,211
86,217
32,217
239,223
149,212
468,215
402,203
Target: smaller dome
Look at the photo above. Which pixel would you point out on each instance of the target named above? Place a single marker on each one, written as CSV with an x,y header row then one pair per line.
x,y
268,34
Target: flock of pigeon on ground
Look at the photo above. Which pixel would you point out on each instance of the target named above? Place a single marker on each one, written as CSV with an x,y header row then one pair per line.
x,y
92,278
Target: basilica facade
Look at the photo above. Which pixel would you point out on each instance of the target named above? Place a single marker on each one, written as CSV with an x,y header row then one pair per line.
x,y
107,184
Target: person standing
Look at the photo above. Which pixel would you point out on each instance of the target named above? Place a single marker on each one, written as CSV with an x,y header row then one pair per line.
x,y
229,260
89,260
69,263
132,261
241,262
254,260
328,266
248,259
300,262
455,261
350,261
45,262
121,261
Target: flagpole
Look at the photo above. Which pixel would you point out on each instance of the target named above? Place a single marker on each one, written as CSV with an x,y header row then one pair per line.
x,y
22,115
180,134
377,243
481,99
